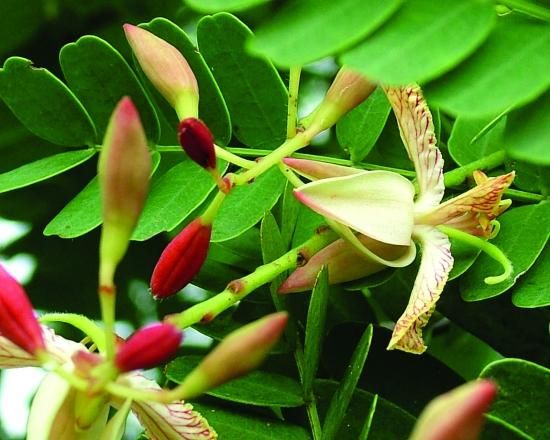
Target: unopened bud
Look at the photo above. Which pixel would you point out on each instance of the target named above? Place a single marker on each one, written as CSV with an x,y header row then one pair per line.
x,y
17,320
124,169
148,347
240,352
456,415
348,90
315,170
197,141
182,259
167,70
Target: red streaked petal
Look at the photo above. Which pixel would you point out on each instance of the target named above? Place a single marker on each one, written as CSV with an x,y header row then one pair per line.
x,y
417,132
435,265
172,421
472,211
315,170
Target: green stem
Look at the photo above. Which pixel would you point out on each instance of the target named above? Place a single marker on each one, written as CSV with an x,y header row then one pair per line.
x,y
275,156
208,215
293,86
333,160
528,8
290,175
239,289
221,152
459,175
107,299
524,196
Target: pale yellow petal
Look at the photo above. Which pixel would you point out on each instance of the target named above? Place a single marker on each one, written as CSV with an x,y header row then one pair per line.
x,y
315,170
378,204
435,265
417,132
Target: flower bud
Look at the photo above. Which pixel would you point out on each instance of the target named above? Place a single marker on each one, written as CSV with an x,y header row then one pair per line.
x,y
124,169
148,347
197,141
240,352
167,70
17,320
182,259
456,415
347,91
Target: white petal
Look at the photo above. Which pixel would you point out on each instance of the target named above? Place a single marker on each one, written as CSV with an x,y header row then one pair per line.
x,y
417,132
173,421
435,266
60,348
378,204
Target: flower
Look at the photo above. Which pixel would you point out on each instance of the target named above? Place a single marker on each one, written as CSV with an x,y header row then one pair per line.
x,y
52,413
382,206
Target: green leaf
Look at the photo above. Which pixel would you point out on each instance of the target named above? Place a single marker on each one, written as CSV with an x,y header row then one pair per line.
x,y
44,104
522,400
98,74
464,256
527,134
174,196
359,130
83,212
212,107
533,289
289,215
230,424
80,215
472,139
506,71
307,30
246,205
416,45
315,329
254,92
365,431
210,6
43,169
256,388
389,422
342,397
523,235
461,351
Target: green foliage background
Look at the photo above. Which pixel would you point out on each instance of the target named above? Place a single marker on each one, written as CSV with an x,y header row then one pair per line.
x,y
485,72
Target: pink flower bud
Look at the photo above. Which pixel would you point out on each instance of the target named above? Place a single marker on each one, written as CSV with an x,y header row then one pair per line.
x,y
166,68
124,169
148,347
347,91
181,260
17,320
240,352
197,141
456,415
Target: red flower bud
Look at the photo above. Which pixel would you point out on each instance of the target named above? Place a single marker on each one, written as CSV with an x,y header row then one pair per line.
x,y
148,347
181,260
17,320
197,141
